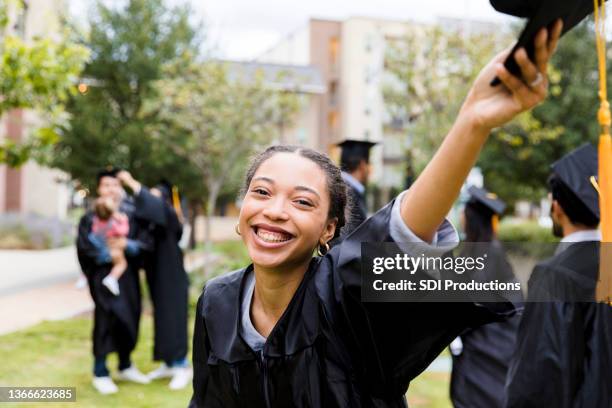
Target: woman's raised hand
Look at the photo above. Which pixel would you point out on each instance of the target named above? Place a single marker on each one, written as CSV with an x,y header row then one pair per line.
x,y
432,195
489,106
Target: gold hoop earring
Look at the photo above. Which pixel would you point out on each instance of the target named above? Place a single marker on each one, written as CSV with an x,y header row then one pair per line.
x,y
326,250
237,230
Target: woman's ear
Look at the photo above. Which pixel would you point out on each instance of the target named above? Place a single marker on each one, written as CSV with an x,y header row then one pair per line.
x,y
329,231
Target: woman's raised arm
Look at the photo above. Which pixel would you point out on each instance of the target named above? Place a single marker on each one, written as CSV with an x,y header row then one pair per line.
x,y
430,198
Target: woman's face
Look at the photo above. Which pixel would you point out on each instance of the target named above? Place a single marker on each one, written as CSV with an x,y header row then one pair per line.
x,y
284,213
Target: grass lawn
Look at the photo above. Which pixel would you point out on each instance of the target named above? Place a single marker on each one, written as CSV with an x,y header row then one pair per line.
x,y
430,390
59,354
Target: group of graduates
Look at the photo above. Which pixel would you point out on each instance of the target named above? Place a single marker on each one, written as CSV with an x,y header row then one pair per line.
x,y
130,228
556,351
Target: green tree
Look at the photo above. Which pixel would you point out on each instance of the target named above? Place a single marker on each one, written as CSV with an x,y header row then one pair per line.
x,y
131,44
214,122
38,74
430,72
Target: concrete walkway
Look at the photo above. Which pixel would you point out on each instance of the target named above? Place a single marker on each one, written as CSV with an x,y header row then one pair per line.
x,y
39,285
23,270
50,293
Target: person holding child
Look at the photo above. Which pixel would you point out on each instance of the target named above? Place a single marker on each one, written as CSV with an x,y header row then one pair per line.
x,y
110,223
116,315
167,281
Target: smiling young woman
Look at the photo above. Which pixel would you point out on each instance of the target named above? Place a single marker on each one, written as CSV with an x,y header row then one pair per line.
x,y
290,330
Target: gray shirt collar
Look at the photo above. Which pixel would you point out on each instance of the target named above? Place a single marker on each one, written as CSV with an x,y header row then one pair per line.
x,y
251,336
578,236
353,182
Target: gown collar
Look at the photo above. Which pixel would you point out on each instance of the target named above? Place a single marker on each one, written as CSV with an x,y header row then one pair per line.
x,y
297,329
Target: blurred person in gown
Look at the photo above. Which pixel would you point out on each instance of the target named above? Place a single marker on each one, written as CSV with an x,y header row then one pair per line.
x,y
481,355
168,283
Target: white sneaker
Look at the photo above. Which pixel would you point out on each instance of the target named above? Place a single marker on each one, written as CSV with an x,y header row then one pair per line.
x,y
112,284
81,283
181,378
104,385
134,375
163,371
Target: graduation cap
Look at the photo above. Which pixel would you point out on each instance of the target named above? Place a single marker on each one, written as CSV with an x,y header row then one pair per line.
x,y
107,172
355,150
541,14
578,170
165,187
489,200
170,193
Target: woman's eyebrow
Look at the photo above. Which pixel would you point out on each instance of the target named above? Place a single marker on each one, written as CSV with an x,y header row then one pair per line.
x,y
267,179
299,188
310,190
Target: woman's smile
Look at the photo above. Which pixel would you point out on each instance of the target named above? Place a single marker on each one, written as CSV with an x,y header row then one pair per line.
x,y
269,236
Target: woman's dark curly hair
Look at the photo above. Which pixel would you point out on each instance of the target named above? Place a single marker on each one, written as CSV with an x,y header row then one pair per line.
x,y
338,200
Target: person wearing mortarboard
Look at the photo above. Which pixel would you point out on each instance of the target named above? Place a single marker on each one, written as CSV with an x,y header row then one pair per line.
x,y
481,355
116,318
167,281
563,356
355,165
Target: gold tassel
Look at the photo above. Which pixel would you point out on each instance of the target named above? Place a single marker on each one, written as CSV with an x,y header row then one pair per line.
x,y
603,291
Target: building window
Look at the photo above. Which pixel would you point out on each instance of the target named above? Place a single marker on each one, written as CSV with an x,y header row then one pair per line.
x,y
334,49
369,40
332,122
20,22
333,93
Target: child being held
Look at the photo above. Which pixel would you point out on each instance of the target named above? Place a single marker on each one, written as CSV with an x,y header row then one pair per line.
x,y
110,223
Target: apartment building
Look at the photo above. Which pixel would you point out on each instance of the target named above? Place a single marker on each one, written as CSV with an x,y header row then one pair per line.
x,y
304,81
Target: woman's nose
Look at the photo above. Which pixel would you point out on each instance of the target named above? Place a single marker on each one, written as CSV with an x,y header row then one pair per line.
x,y
276,209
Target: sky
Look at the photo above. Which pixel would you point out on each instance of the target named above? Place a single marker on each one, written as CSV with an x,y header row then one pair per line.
x,y
243,29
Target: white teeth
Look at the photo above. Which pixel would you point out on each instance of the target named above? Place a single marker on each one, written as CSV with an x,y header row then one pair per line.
x,y
272,237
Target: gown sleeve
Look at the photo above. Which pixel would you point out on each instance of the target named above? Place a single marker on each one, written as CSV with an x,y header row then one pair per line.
x,y
549,349
200,359
87,252
392,343
150,208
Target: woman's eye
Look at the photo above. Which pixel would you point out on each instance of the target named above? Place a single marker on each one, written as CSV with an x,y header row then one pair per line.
x,y
304,202
260,191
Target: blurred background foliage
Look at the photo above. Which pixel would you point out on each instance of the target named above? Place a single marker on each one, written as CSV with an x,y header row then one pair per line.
x,y
38,74
516,160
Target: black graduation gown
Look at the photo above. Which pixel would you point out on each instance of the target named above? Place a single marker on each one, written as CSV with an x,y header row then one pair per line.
x,y
479,373
564,349
116,318
328,349
168,283
358,210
